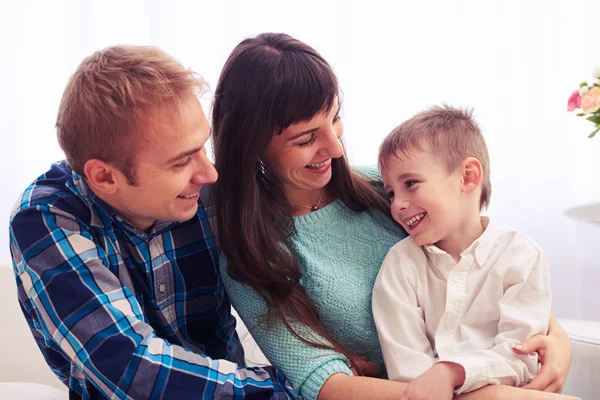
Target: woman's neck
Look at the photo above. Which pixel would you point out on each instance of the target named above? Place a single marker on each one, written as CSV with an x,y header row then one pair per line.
x,y
307,201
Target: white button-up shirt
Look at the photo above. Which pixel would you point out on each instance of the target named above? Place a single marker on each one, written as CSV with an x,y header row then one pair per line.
x,y
428,308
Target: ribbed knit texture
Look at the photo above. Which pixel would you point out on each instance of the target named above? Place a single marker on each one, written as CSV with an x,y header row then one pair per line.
x,y
340,252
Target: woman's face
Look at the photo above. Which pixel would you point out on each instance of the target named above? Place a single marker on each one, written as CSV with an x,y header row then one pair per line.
x,y
301,156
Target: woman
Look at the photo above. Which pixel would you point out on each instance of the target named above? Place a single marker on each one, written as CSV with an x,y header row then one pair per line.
x,y
302,234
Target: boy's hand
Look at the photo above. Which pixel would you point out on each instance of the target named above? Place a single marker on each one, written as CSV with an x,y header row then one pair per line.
x,y
437,383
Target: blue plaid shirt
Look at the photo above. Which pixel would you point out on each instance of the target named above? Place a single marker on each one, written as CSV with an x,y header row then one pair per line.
x,y
119,313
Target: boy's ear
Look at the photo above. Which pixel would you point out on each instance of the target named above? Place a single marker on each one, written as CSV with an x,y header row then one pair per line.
x,y
472,174
101,176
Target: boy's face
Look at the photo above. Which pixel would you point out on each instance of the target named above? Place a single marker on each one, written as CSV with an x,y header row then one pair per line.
x,y
170,170
425,197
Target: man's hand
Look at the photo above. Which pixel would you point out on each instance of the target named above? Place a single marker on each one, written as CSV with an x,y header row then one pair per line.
x,y
437,383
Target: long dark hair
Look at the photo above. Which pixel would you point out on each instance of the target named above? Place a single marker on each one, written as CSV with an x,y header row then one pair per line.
x,y
268,83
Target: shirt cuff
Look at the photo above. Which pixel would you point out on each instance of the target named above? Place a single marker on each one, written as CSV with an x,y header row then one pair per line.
x,y
476,372
315,381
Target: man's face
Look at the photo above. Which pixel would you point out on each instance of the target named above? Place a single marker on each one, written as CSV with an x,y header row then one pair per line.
x,y
170,169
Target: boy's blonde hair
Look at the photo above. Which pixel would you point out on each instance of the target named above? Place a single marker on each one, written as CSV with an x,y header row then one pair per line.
x,y
114,100
449,133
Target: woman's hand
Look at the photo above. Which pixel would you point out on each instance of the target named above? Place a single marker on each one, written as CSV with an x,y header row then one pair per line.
x,y
554,352
366,367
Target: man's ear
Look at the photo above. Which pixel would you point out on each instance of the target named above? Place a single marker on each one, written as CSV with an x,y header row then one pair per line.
x,y
472,174
101,176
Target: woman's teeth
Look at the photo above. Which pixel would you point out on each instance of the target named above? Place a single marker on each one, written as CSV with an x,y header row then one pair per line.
x,y
189,196
415,219
319,165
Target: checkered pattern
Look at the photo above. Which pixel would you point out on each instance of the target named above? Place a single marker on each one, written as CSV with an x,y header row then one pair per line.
x,y
119,313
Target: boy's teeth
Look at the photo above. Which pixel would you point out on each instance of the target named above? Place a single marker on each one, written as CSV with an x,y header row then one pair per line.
x,y
415,219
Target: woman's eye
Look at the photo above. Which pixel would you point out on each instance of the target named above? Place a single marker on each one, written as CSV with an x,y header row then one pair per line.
x,y
337,118
184,163
389,196
313,137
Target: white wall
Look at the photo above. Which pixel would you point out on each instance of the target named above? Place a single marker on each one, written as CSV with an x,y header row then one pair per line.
x,y
515,61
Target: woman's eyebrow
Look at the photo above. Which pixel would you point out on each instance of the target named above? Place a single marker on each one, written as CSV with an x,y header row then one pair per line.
x,y
300,134
306,132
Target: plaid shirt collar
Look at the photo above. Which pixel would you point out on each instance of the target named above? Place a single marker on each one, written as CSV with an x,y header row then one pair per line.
x,y
105,214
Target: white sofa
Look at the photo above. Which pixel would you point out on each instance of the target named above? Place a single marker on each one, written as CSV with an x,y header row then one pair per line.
x,y
25,376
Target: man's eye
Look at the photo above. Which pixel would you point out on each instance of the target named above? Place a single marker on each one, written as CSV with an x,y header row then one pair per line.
x,y
184,163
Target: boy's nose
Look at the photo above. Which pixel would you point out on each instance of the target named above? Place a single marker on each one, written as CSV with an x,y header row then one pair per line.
x,y
400,204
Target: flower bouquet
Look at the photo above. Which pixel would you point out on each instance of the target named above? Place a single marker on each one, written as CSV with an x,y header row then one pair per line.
x,y
587,100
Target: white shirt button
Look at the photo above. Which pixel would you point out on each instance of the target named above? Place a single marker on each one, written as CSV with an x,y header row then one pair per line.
x,y
456,279
162,288
447,324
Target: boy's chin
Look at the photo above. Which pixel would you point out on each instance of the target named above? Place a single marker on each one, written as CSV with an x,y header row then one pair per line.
x,y
421,240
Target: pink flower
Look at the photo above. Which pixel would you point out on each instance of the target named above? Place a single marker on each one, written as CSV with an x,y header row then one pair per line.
x,y
590,101
574,101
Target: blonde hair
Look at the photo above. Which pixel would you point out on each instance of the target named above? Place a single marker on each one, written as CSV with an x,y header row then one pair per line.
x,y
449,133
113,101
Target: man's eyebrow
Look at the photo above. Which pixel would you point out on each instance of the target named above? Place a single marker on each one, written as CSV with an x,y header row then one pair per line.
x,y
184,154
306,132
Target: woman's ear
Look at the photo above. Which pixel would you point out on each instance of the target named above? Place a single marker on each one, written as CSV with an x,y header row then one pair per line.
x,y
100,176
472,174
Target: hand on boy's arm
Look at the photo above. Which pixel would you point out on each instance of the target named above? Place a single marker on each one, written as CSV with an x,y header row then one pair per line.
x,y
437,383
555,354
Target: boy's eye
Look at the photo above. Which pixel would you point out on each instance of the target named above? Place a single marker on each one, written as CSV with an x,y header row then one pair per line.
x,y
313,137
410,183
184,163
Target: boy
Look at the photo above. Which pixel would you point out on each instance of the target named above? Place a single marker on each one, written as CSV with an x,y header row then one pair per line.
x,y
114,259
453,298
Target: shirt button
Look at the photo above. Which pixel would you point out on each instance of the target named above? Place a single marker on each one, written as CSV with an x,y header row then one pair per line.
x,y
455,279
162,288
447,324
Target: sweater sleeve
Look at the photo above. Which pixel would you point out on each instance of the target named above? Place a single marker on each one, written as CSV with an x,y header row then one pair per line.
x,y
306,367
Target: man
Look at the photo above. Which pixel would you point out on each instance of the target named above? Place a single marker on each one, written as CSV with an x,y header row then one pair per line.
x,y
113,255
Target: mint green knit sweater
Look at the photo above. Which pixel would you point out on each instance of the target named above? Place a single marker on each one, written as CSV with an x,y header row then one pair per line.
x,y
340,252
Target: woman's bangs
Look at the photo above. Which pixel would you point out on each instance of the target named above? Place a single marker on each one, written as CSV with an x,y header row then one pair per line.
x,y
307,87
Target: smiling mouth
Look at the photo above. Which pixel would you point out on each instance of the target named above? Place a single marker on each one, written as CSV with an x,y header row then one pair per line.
x,y
415,219
189,196
317,166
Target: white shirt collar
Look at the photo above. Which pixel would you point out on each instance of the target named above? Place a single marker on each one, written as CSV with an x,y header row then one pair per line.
x,y
480,249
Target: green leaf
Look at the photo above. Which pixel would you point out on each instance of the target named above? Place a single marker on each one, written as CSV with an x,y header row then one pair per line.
x,y
582,84
581,114
594,133
595,118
